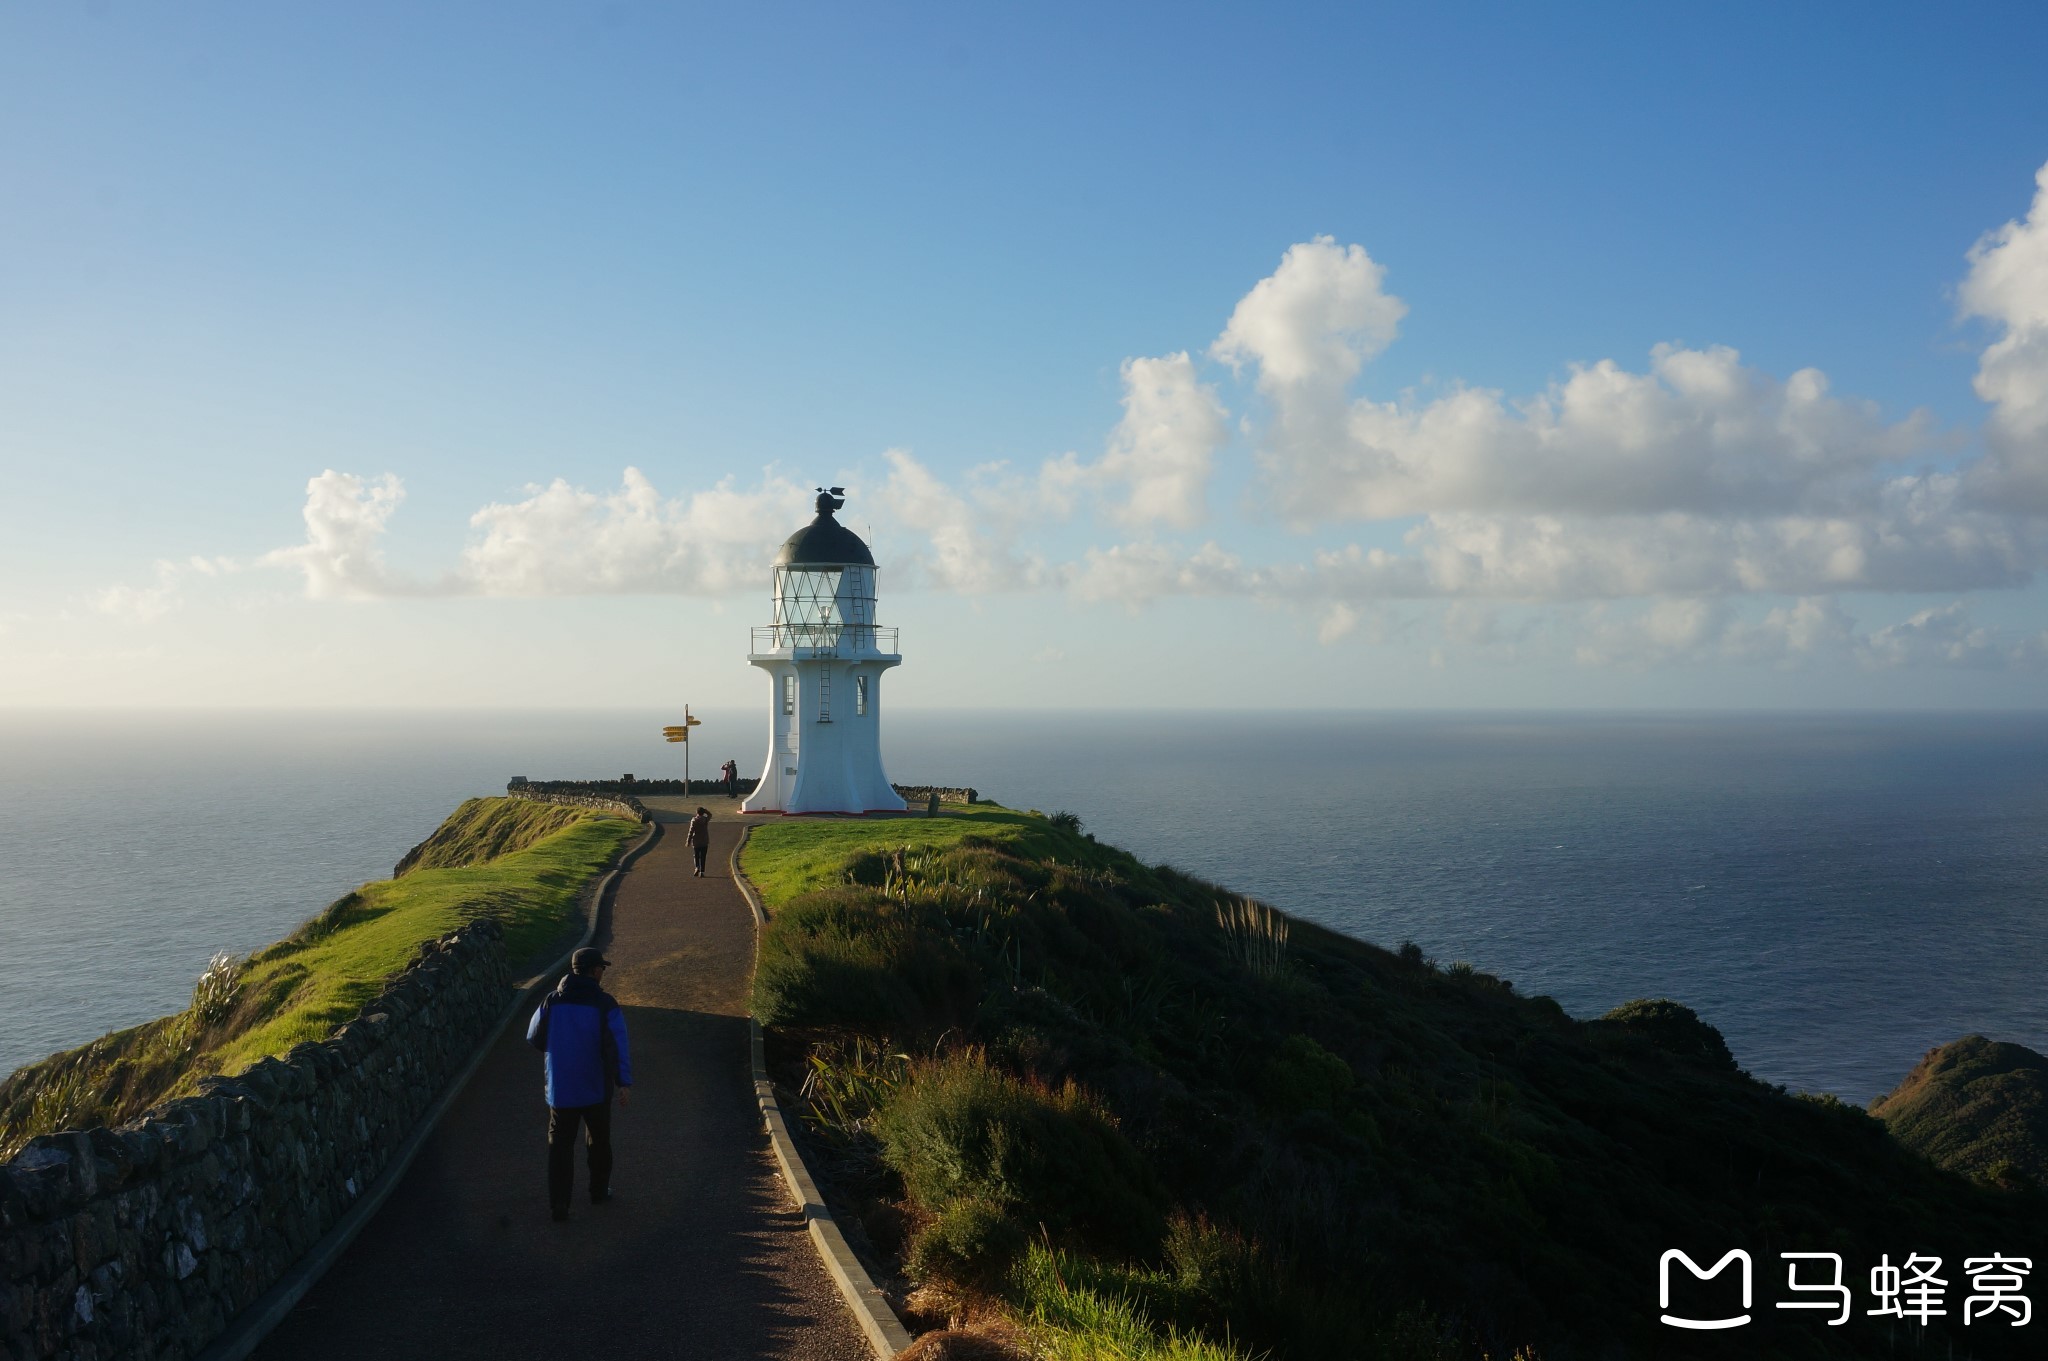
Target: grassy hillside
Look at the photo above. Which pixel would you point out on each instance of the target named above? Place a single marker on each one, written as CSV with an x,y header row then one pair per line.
x,y
482,830
318,977
1978,1107
1137,1117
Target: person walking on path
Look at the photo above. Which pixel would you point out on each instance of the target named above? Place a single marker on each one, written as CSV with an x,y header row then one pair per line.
x,y
699,837
583,1033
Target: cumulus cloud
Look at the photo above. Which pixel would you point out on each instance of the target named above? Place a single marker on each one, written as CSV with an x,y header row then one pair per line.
x,y
564,540
2008,285
557,540
1698,432
966,538
343,557
1161,454
1312,323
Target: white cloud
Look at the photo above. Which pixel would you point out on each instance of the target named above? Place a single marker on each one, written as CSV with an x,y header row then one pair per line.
x,y
559,540
142,603
1947,636
2008,285
1314,321
1914,539
1160,457
563,540
165,591
342,556
1338,620
1698,432
1135,574
1683,631
967,537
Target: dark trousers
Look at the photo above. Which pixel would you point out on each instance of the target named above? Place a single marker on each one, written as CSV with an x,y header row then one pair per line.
x,y
597,1126
698,849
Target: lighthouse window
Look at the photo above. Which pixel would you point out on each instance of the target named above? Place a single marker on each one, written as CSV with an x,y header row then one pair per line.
x,y
789,692
860,695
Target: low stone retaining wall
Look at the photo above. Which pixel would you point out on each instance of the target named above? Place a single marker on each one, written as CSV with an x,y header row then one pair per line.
x,y
915,794
620,793
623,804
144,1241
625,788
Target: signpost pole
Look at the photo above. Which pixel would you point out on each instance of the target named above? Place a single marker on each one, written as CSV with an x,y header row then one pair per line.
x,y
680,732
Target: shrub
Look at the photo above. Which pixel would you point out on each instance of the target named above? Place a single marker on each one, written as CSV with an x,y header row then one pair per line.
x,y
961,1129
1675,1029
849,956
970,1242
1065,821
1305,1076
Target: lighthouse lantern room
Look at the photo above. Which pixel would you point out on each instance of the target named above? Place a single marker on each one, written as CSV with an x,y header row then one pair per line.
x,y
824,656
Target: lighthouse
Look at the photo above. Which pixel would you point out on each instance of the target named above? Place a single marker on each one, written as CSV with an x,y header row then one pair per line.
x,y
824,656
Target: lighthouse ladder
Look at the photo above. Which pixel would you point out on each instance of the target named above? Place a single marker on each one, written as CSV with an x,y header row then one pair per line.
x,y
825,693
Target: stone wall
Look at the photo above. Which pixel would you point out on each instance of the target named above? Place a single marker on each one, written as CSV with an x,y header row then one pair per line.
x,y
578,796
626,788
608,793
917,795
144,1241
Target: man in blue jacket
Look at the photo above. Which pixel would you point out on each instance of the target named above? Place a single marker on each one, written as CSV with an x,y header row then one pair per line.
x,y
583,1033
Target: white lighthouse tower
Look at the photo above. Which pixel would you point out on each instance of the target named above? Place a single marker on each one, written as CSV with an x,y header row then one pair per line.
x,y
824,657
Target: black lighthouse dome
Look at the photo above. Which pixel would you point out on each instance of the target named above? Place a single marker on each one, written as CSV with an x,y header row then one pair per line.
x,y
824,542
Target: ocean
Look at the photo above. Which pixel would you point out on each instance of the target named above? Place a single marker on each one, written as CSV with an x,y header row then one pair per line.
x,y
1837,893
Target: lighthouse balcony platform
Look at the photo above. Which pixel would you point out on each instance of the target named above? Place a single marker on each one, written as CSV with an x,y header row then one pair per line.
x,y
802,642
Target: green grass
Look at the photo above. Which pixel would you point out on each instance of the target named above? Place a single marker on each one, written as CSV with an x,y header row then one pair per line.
x,y
483,830
788,858
1073,1316
319,977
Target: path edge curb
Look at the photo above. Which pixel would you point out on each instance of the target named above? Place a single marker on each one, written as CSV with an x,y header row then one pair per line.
x,y
253,1324
878,1322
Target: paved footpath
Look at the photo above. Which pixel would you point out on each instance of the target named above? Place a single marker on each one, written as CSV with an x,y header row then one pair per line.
x,y
698,1254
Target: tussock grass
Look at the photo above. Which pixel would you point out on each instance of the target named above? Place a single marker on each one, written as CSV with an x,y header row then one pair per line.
x,y
1077,1312
319,977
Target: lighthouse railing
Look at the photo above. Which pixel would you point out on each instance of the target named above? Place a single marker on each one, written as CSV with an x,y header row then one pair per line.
x,y
837,637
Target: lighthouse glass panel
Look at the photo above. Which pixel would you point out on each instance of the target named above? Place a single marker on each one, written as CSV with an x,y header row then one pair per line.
x,y
815,605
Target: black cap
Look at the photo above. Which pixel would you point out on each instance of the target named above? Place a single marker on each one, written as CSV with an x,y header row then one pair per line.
x,y
587,959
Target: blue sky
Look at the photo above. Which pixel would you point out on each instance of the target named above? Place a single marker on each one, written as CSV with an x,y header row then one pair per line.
x,y
1182,355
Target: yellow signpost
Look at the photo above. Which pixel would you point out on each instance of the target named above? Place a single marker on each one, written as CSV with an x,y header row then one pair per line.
x,y
680,732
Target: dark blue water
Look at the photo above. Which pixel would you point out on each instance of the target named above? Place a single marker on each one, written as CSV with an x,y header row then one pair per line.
x,y
1836,893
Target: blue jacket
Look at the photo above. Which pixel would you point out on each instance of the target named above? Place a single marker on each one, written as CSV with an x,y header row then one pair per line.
x,y
583,1033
